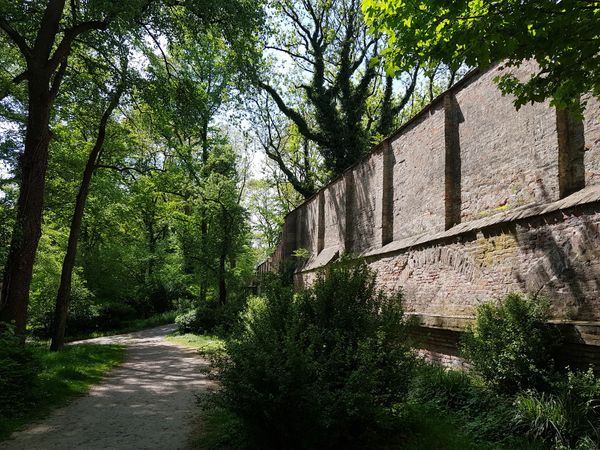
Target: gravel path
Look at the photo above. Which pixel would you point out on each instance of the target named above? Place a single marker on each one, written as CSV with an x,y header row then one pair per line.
x,y
146,403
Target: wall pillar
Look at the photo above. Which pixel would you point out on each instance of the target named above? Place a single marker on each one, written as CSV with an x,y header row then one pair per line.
x,y
321,222
571,152
349,216
387,200
290,227
452,197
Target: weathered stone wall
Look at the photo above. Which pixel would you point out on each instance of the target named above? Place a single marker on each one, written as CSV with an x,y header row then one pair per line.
x,y
335,215
419,175
557,253
365,204
468,201
508,158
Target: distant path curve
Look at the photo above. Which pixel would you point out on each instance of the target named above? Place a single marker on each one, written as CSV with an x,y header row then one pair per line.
x,y
147,402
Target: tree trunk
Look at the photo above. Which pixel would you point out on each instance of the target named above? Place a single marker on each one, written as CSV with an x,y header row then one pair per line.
x,y
203,223
63,297
222,284
27,230
44,74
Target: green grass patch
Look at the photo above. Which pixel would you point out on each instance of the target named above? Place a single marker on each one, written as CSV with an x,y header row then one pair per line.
x,y
421,428
431,428
205,344
131,326
63,376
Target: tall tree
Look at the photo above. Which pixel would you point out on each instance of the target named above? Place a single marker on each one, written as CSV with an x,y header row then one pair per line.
x,y
333,76
296,156
185,91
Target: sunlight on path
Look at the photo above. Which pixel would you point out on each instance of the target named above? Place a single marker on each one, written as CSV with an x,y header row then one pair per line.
x,y
146,403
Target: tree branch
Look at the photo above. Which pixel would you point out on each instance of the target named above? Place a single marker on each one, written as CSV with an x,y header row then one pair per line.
x,y
66,43
16,38
293,115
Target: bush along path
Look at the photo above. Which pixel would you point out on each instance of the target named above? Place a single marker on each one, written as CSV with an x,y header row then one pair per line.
x,y
148,402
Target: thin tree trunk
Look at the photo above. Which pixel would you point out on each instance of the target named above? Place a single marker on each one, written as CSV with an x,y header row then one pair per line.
x,y
203,223
63,297
222,283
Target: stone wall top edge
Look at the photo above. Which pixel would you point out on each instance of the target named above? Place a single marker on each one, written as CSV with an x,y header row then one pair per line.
x,y
467,79
426,319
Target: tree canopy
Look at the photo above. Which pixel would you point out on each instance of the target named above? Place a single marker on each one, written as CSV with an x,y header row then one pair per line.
x,y
562,37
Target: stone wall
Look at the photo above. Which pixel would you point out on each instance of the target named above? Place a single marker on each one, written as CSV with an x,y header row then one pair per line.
x,y
468,201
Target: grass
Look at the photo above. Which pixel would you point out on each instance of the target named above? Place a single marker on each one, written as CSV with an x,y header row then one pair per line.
x,y
431,428
63,376
130,326
205,344
424,428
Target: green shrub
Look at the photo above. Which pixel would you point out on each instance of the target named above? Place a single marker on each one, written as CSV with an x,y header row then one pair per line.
x,y
510,344
199,320
211,317
320,369
441,387
18,373
568,416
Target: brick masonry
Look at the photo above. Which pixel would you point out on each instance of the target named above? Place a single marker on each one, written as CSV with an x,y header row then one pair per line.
x,y
468,201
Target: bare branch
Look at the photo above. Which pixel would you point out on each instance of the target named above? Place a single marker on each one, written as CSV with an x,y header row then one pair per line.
x,y
293,115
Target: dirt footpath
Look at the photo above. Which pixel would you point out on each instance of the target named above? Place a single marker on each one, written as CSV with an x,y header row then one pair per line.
x,y
146,403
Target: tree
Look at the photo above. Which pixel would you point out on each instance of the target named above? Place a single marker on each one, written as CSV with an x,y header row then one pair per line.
x,y
267,215
64,289
334,74
184,95
562,37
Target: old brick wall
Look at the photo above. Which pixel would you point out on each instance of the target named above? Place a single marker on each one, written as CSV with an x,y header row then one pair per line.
x,y
335,215
468,201
419,175
365,204
557,253
508,158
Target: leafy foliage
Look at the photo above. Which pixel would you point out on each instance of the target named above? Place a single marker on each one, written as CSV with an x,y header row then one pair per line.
x,y
483,414
510,344
568,416
562,38
83,312
320,369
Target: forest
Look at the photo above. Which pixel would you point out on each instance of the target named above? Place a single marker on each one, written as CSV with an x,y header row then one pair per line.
x,y
150,150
